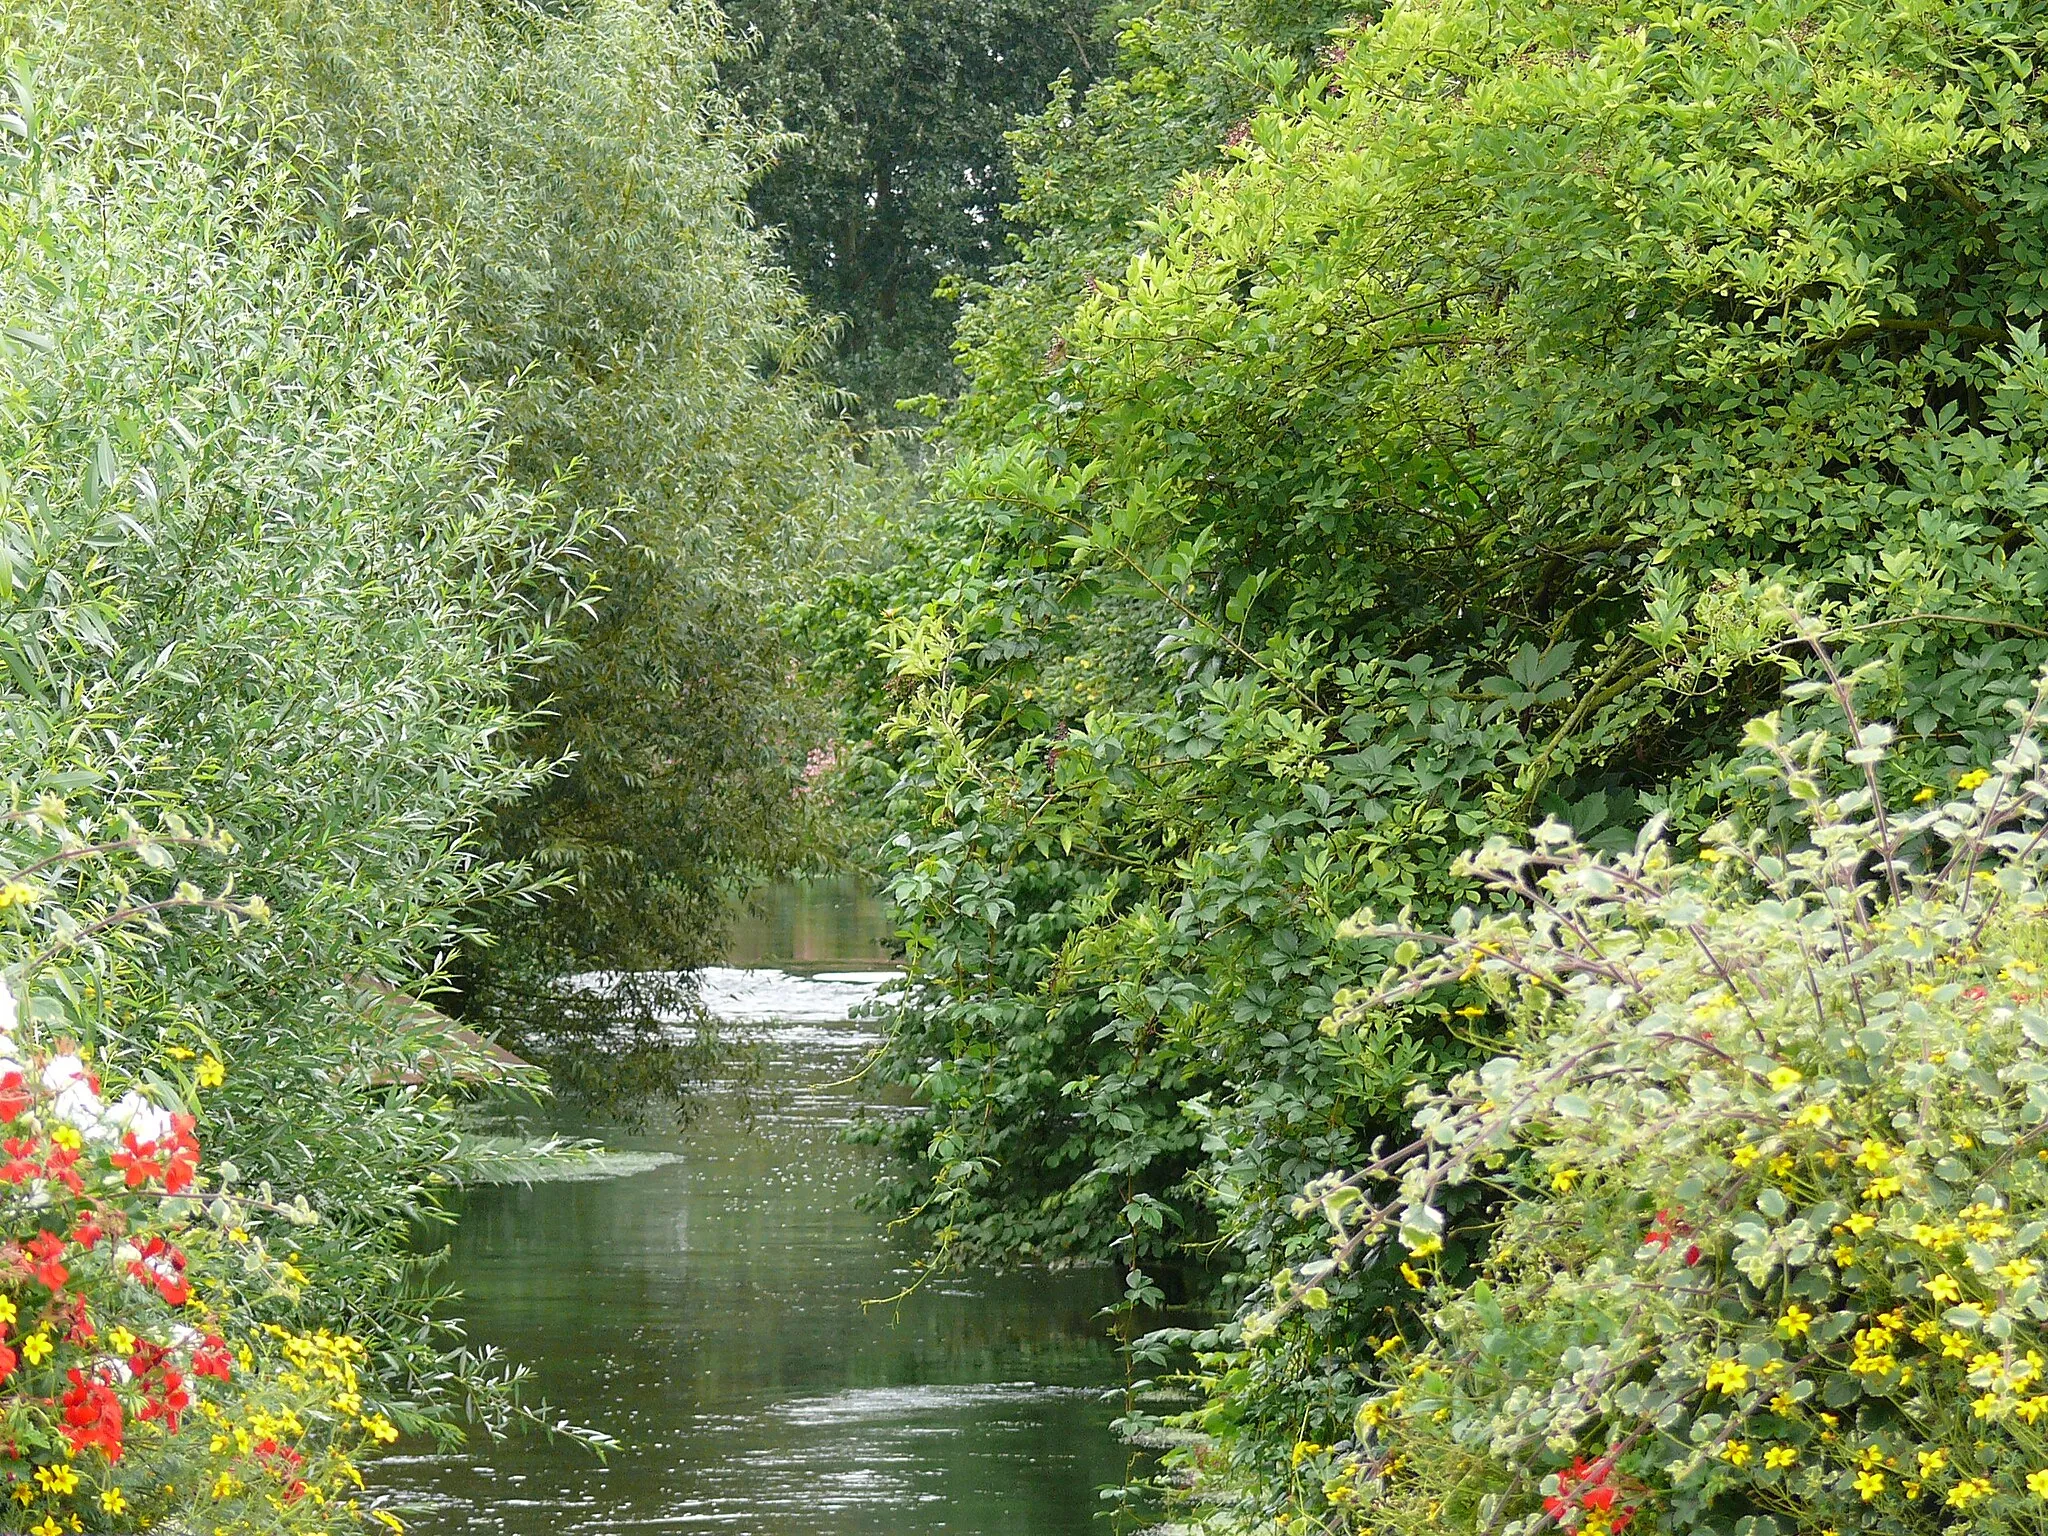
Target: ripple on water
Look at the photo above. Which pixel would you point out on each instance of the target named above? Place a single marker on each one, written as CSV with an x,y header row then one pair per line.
x,y
708,1312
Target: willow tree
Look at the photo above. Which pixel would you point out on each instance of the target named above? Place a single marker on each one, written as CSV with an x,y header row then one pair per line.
x,y
585,183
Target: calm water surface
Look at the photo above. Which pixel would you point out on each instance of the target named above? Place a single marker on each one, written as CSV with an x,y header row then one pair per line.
x,y
709,1314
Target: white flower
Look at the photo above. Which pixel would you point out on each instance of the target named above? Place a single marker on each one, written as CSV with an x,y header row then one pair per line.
x,y
132,1112
73,1097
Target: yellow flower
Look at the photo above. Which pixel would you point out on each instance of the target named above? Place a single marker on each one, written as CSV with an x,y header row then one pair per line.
x,y
384,1431
1796,1321
7,1313
1860,1223
2037,1483
1932,1462
212,1073
1783,1406
385,1517
1882,1189
2018,1271
1736,1453
1875,1156
57,1480
68,1138
1724,1375
1780,1456
1972,779
1781,1165
1782,1078
1563,1180
1743,1156
37,1348
1942,1288
1408,1274
1924,796
114,1502
46,1526
1814,1115
1955,1346
121,1341
1970,1490
1869,1484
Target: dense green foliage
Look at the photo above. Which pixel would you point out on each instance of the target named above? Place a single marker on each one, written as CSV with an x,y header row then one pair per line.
x,y
1767,1147
1398,471
264,573
399,448
892,194
586,186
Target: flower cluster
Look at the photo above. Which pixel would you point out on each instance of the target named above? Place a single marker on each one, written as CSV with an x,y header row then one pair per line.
x,y
123,1402
1770,1171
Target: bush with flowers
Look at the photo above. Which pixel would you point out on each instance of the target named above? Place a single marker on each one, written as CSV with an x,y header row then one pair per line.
x,y
148,1378
1768,1154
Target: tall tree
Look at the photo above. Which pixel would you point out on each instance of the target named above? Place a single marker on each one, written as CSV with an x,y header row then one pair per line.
x,y
893,193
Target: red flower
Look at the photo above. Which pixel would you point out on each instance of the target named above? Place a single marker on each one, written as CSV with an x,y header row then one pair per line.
x,y
1667,1227
21,1165
287,1463
62,1167
1583,1485
173,1159
169,1401
47,1249
14,1097
211,1358
92,1414
137,1159
8,1361
184,1154
88,1232
163,1266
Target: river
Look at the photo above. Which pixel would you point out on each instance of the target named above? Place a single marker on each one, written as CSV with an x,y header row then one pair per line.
x,y
714,1313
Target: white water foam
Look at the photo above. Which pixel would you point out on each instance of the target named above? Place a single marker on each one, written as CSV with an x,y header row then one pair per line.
x,y
759,996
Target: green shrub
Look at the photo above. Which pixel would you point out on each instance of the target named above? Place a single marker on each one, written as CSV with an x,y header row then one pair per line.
x,y
259,566
1766,1158
1414,479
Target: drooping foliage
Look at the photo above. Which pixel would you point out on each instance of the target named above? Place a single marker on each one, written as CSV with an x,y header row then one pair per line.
x,y
892,194
359,464
588,185
594,184
1417,472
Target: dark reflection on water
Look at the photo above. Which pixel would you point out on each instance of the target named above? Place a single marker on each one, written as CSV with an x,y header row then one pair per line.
x,y
836,919
708,1313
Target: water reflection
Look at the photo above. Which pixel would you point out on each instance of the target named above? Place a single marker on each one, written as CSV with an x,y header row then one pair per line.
x,y
708,1313
800,924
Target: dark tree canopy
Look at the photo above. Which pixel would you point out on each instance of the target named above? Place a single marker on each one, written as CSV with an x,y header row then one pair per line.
x,y
895,188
